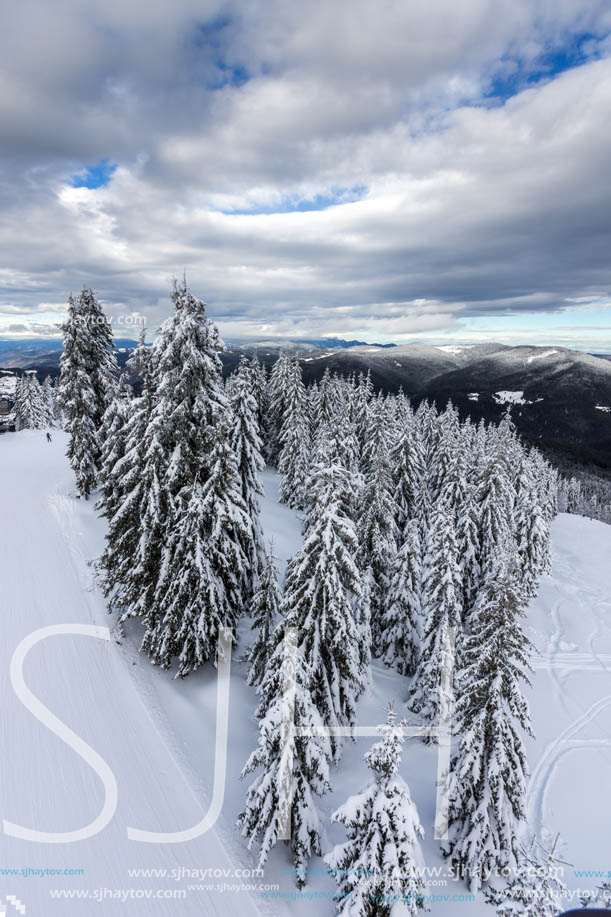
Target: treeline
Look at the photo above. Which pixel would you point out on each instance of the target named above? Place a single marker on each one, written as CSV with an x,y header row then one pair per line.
x,y
585,495
36,406
415,525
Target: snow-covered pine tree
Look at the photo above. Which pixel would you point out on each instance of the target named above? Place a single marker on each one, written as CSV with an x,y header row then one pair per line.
x,y
299,764
547,479
294,460
325,407
361,400
19,406
532,538
337,439
602,897
48,393
131,558
200,588
362,617
536,889
321,593
88,371
246,444
408,469
494,498
443,456
488,773
259,390
277,400
31,410
265,609
400,625
467,542
377,531
428,425
175,548
378,870
442,608
113,436
199,529
377,444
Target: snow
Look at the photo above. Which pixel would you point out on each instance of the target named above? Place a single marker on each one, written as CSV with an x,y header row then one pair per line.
x,y
603,407
541,356
452,348
157,734
507,397
8,381
473,396
510,397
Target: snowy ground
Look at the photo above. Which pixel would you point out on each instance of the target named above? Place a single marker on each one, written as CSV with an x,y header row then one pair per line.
x,y
157,735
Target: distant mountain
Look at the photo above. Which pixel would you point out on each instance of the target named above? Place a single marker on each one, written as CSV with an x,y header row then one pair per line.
x,y
43,355
341,344
560,398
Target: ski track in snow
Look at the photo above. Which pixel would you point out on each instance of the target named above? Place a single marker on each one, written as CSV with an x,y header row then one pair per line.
x,y
566,741
584,599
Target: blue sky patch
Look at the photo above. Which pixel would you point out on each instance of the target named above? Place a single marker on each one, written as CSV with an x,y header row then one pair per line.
x,y
96,176
293,204
514,74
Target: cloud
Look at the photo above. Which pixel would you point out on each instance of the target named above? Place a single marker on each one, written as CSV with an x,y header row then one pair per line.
x,y
315,168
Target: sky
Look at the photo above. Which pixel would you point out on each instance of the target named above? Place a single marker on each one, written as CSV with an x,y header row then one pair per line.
x,y
394,170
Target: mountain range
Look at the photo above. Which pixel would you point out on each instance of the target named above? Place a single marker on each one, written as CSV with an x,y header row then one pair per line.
x,y
560,399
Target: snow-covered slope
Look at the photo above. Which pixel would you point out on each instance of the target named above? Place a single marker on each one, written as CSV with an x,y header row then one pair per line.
x,y
157,735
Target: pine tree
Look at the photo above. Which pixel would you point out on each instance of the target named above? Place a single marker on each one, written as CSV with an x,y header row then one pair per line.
x,y
534,891
113,437
200,587
360,408
298,764
384,835
175,553
259,383
87,381
533,539
494,497
325,406
129,561
277,402
199,528
428,426
31,408
401,617
408,468
602,898
294,460
443,456
442,606
377,442
488,774
377,537
264,608
320,596
246,444
467,542
50,406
